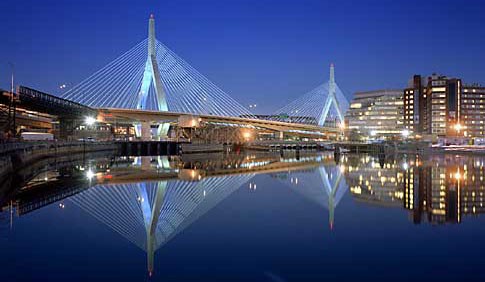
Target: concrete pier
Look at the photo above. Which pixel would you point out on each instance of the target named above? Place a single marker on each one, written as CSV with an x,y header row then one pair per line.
x,y
148,148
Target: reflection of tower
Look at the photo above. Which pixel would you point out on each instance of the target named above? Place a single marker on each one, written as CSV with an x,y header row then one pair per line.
x,y
152,73
323,186
150,214
331,192
331,99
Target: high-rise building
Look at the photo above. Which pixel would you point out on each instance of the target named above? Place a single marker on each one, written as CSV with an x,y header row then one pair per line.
x,y
472,108
378,114
444,107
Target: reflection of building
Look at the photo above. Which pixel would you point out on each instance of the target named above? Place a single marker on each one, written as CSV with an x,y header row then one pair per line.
x,y
371,183
444,106
376,113
444,190
440,190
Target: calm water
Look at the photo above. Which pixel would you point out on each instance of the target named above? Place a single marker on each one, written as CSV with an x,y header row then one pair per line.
x,y
254,217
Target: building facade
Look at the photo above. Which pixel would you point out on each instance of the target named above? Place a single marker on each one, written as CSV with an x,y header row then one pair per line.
x,y
472,108
444,107
376,114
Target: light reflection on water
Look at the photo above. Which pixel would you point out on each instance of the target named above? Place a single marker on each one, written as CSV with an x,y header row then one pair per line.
x,y
150,201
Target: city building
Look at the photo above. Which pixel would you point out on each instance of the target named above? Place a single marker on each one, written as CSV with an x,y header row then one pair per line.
x,y
472,108
444,107
26,119
376,114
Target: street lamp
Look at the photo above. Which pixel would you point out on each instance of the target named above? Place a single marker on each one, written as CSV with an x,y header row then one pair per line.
x,y
12,105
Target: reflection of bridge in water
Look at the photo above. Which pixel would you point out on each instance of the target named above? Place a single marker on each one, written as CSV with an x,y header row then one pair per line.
x,y
176,191
325,187
150,214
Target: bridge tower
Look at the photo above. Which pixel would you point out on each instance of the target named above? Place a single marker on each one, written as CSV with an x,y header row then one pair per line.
x,y
152,75
331,99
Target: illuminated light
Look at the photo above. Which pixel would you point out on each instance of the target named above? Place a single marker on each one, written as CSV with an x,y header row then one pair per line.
x,y
457,175
405,133
90,120
140,199
246,135
90,174
373,133
457,127
405,166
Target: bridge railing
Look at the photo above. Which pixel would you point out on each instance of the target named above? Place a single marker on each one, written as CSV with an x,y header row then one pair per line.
x,y
6,148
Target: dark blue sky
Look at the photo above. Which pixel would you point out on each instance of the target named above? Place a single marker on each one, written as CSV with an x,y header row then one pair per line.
x,y
259,51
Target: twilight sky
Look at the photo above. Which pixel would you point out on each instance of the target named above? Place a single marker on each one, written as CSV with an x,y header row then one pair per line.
x,y
267,52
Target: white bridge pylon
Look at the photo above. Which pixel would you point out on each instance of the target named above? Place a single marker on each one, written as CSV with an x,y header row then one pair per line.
x,y
331,100
316,106
150,76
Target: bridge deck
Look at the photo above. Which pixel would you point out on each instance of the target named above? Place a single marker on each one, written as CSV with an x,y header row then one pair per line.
x,y
134,115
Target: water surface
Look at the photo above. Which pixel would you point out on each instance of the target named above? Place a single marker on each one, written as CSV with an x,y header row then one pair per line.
x,y
247,217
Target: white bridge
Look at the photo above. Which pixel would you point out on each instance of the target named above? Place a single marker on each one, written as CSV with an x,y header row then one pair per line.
x,y
150,85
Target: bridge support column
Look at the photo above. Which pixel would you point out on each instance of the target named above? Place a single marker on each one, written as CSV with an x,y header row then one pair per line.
x,y
281,135
143,131
162,130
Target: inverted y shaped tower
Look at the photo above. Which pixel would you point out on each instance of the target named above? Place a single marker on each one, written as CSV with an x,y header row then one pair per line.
x,y
331,99
152,73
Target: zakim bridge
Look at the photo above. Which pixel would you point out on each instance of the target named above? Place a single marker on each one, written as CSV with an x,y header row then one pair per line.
x,y
152,88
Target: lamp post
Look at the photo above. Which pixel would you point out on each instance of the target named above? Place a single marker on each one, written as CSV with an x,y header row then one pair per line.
x,y
11,104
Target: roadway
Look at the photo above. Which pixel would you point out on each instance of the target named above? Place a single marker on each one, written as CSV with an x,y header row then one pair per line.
x,y
133,115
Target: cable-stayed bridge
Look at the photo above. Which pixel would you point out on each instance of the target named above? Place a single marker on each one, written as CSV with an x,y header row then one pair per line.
x,y
149,85
310,108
